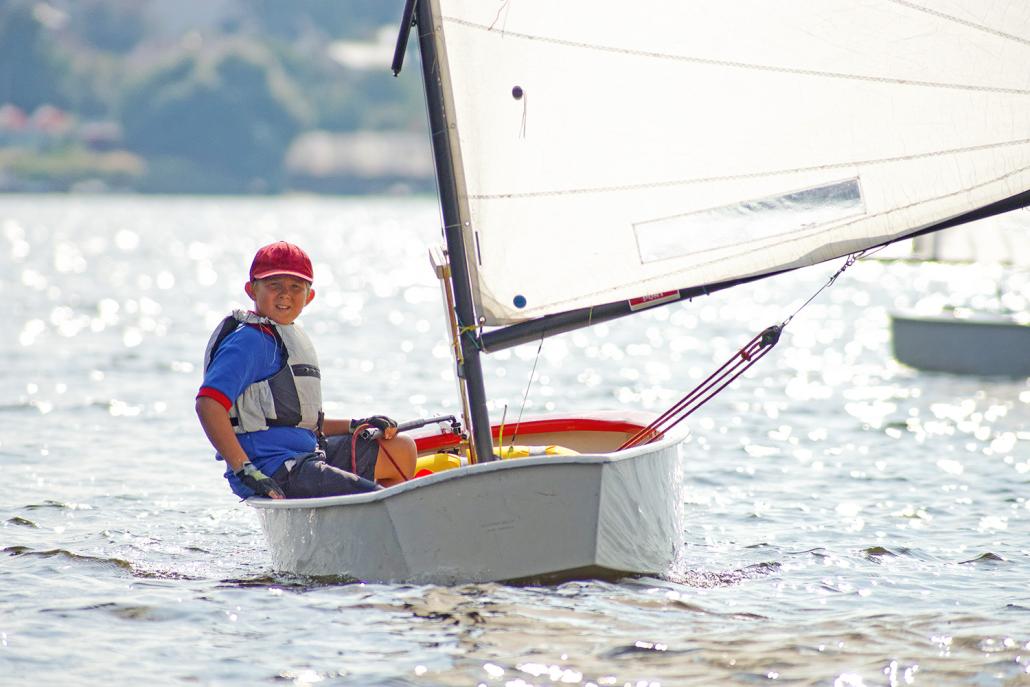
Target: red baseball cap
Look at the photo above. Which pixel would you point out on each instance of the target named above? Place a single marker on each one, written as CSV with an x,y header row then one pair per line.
x,y
281,258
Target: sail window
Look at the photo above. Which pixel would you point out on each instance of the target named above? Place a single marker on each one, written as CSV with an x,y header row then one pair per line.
x,y
747,221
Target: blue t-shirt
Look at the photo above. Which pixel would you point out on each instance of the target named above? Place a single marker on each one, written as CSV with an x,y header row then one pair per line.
x,y
245,356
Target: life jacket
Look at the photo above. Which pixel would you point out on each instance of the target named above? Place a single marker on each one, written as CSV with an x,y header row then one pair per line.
x,y
292,397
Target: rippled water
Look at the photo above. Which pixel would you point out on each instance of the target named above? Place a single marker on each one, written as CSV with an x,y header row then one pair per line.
x,y
848,521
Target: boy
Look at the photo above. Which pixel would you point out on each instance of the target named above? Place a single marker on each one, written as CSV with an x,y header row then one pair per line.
x,y
261,400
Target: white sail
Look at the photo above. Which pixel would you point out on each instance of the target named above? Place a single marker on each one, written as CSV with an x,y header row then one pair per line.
x,y
607,150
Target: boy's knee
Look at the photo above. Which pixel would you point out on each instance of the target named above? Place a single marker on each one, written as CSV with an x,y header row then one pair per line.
x,y
396,458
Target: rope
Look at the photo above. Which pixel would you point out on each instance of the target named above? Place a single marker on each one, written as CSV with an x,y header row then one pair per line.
x,y
742,360
515,432
469,332
738,364
354,453
851,260
500,431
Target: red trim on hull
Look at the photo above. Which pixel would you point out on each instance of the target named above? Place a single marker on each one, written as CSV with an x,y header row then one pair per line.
x,y
435,442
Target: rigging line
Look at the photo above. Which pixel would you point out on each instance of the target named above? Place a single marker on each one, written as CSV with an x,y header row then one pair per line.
x,y
752,352
733,368
741,65
729,367
963,22
525,396
851,259
868,253
747,175
500,432
525,111
469,332
502,8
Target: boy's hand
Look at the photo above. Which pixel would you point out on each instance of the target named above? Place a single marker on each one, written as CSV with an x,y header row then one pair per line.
x,y
387,426
380,422
258,481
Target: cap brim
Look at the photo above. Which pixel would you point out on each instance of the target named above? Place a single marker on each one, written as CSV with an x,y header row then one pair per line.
x,y
282,273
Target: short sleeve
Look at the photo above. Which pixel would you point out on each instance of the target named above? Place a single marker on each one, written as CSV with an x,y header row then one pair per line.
x,y
245,356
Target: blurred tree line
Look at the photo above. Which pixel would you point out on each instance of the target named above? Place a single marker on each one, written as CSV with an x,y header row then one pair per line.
x,y
210,93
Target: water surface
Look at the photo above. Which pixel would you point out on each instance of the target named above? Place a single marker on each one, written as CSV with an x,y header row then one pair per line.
x,y
848,521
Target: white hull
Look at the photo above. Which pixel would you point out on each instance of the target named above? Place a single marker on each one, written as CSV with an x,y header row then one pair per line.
x,y
551,517
990,347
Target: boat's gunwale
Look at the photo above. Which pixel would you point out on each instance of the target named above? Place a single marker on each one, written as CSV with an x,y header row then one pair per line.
x,y
598,422
465,472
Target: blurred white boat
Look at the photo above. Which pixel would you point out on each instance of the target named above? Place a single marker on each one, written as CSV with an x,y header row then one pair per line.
x,y
971,345
992,339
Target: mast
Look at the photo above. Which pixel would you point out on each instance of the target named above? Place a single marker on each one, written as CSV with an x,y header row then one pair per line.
x,y
470,371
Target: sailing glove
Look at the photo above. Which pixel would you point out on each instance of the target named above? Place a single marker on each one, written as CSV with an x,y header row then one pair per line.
x,y
380,422
261,483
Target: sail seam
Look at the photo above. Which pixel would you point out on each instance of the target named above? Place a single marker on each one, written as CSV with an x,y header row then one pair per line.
x,y
963,22
808,234
738,65
749,175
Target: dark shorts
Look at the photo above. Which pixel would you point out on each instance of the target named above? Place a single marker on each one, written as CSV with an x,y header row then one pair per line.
x,y
332,473
337,454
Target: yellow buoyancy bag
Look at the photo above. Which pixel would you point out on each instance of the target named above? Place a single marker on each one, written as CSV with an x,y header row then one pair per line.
x,y
507,452
438,462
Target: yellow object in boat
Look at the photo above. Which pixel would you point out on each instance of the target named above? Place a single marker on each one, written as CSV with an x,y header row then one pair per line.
x,y
438,462
507,452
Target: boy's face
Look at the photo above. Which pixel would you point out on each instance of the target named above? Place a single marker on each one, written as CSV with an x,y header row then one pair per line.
x,y
280,298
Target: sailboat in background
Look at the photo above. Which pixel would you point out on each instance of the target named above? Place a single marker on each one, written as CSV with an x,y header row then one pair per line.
x,y
597,159
989,336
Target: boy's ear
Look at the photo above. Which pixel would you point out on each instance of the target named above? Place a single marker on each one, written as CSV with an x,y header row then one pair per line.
x,y
311,295
249,288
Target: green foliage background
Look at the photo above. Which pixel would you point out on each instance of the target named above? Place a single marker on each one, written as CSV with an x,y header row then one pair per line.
x,y
210,107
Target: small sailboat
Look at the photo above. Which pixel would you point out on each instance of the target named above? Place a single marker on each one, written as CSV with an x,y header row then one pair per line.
x,y
986,338
595,160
